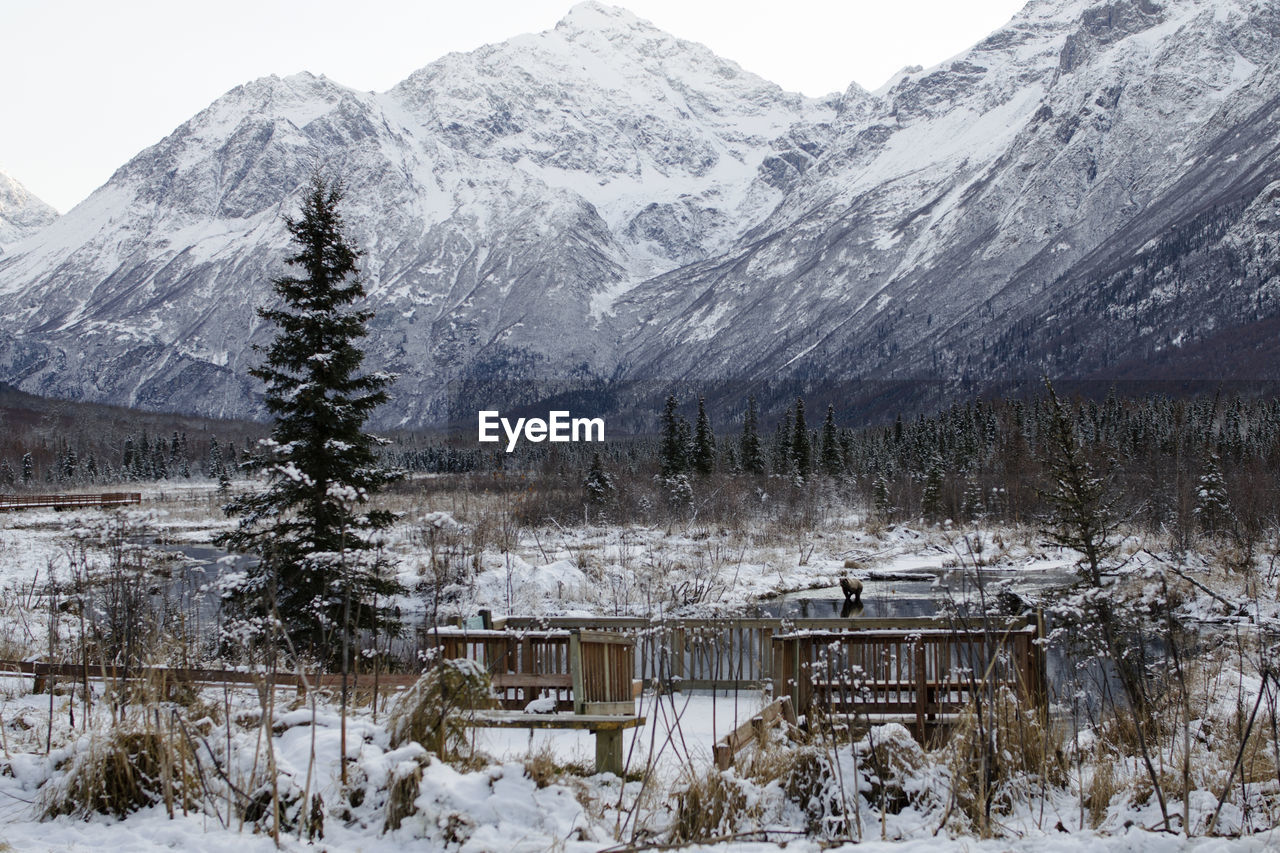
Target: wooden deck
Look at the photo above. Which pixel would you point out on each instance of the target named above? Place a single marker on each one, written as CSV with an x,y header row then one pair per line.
x,y
925,674
107,499
736,653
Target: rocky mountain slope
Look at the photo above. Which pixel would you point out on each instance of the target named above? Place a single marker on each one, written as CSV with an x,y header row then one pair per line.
x,y
1028,207
21,213
500,197
1090,191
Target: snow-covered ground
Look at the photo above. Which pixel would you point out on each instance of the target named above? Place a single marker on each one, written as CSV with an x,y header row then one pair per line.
x,y
534,791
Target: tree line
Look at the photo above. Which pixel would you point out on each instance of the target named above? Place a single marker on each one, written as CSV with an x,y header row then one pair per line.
x,y
1187,466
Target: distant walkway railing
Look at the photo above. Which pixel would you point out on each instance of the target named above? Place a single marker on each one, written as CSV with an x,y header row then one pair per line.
x,y
739,653
14,502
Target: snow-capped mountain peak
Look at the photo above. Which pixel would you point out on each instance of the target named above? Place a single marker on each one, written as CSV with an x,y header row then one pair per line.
x,y
21,213
604,197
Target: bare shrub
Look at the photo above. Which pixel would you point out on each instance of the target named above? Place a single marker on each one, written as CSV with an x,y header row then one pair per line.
x,y
122,771
711,805
431,711
895,761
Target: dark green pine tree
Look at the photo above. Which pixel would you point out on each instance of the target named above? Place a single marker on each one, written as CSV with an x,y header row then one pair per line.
x,y
319,573
781,451
829,454
704,443
597,487
801,452
1212,507
28,469
931,495
750,456
674,450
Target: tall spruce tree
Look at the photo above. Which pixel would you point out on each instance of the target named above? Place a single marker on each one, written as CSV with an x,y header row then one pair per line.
x,y
751,456
832,459
704,443
674,450
781,449
319,573
801,447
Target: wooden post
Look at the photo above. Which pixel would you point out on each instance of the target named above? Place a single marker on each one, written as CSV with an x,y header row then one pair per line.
x,y
766,655
677,651
526,666
922,687
723,755
609,751
575,670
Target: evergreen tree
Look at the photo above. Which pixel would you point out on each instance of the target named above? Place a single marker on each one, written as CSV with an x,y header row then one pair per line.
x,y
880,497
1081,508
783,464
674,450
7,477
126,460
597,487
1212,509
971,508
751,457
704,443
213,466
28,469
931,497
319,573
801,452
829,451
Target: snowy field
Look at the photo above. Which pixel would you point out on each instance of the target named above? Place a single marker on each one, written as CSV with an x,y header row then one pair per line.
x,y
521,790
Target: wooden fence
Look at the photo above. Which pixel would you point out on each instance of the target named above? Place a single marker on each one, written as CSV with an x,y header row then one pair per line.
x,y
922,673
724,653
14,502
584,671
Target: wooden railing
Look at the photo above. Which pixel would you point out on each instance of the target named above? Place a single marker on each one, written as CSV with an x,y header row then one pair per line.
x,y
587,672
923,673
8,502
719,653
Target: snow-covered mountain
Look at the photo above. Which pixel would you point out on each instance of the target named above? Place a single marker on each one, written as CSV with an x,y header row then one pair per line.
x,y
1092,190
21,213
501,197
964,217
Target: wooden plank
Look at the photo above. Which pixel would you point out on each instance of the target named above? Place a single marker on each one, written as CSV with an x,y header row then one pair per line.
x,y
520,720
733,743
548,681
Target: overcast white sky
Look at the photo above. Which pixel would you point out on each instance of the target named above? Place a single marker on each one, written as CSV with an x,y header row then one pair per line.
x,y
88,84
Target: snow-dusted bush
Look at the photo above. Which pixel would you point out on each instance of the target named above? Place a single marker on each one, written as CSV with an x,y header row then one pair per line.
x,y
124,770
430,712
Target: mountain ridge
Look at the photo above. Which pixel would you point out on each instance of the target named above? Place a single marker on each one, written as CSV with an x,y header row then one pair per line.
x,y
605,202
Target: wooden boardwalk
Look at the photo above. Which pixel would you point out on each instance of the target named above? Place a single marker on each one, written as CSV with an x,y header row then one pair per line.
x,y
107,499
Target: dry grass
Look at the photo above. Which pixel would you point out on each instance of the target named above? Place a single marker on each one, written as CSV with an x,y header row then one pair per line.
x,y
1015,755
402,792
125,770
1103,786
430,712
709,805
